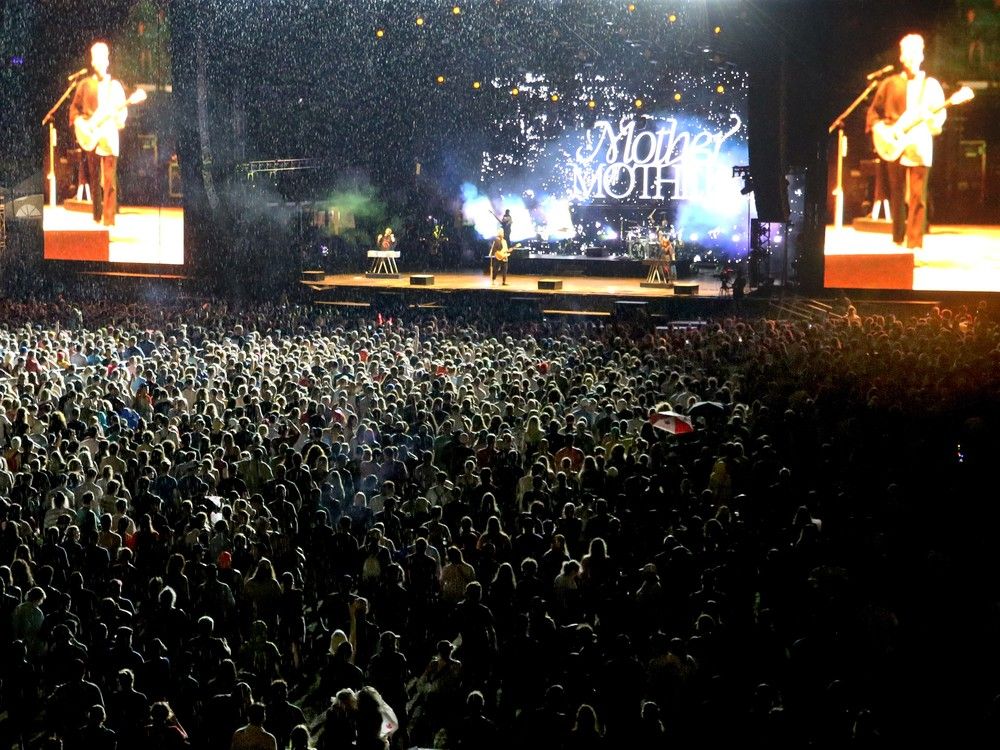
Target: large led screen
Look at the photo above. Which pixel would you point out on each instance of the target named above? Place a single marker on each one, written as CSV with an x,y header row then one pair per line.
x,y
912,176
113,188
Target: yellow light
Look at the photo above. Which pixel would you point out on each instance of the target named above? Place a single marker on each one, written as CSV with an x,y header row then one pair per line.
x,y
555,97
672,18
720,89
638,103
677,96
718,29
515,91
380,33
591,104
631,7
476,85
440,79
420,20
456,10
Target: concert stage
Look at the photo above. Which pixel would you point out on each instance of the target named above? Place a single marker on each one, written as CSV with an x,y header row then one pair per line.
x,y
577,295
142,234
708,285
960,258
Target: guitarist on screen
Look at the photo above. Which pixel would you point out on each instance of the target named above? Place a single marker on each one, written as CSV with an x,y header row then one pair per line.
x,y
100,100
916,101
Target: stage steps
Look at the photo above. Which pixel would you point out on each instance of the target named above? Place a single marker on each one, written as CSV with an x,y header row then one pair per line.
x,y
802,309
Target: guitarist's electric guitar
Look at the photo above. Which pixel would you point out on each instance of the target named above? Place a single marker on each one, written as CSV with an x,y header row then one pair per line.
x,y
95,130
892,140
503,255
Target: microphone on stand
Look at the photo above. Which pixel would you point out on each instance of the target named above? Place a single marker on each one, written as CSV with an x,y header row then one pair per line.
x,y
77,74
880,72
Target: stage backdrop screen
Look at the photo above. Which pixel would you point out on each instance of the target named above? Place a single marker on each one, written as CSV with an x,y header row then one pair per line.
x,y
113,188
603,175
912,202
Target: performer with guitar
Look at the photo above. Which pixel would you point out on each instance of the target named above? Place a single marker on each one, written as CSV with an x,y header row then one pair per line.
x,y
506,222
911,107
97,113
500,256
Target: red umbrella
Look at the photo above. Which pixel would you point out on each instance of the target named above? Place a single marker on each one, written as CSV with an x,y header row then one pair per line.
x,y
672,422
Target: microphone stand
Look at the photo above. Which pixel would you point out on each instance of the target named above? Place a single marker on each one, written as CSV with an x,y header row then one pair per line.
x,y
49,120
838,125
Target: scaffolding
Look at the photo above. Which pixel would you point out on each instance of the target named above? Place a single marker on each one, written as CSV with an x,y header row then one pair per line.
x,y
271,167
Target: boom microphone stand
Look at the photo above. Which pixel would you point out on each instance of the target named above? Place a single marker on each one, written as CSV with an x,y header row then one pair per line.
x,y
838,125
49,120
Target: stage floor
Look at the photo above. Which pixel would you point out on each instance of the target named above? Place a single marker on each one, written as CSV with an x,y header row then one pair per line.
x,y
142,234
708,284
960,258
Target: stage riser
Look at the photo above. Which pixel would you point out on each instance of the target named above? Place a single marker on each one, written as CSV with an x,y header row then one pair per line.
x,y
868,224
665,308
588,267
77,246
870,271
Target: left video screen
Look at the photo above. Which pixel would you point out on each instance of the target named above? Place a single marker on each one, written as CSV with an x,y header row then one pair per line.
x,y
113,189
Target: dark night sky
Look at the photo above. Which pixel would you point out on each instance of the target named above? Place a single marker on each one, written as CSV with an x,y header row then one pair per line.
x,y
266,55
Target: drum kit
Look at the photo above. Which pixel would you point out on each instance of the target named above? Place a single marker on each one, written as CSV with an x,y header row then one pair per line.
x,y
647,241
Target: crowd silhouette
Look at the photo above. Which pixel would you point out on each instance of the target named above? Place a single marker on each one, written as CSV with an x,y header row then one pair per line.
x,y
274,526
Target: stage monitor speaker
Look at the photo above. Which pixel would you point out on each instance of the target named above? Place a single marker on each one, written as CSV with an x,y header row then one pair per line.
x,y
971,172
139,179
174,186
424,279
685,288
550,284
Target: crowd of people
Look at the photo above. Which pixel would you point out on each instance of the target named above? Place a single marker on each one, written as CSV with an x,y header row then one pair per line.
x,y
275,526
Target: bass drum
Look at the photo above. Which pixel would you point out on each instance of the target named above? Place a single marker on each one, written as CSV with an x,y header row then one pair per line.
x,y
637,248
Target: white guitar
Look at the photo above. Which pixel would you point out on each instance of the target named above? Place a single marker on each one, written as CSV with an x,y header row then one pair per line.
x,y
93,131
504,254
892,140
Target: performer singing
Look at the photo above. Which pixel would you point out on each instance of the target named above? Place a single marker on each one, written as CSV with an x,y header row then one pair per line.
x,y
386,240
499,258
918,97
97,113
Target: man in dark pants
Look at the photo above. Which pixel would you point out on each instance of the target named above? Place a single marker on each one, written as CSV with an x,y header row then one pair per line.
x,y
499,256
100,93
916,95
506,223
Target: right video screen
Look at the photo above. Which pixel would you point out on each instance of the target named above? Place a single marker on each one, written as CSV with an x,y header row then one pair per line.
x,y
912,200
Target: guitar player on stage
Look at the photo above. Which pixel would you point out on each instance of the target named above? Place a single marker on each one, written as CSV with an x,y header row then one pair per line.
x,y
104,96
499,258
918,97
